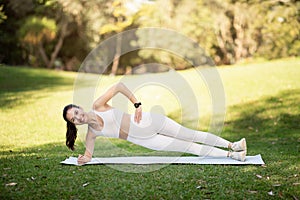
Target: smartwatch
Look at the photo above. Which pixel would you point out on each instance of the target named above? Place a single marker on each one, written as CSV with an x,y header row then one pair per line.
x,y
136,105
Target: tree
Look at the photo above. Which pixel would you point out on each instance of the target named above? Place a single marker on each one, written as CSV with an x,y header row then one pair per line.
x,y
280,30
11,51
234,28
249,28
119,20
37,32
163,14
85,21
229,30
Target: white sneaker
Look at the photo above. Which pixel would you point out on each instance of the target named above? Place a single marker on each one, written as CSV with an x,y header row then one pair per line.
x,y
241,156
240,145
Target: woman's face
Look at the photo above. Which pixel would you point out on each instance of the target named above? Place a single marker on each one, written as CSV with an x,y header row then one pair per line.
x,y
77,116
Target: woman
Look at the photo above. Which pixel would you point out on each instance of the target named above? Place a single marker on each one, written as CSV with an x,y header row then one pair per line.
x,y
153,131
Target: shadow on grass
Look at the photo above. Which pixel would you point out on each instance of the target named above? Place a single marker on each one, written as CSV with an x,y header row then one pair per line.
x,y
271,127
39,175
268,121
18,84
270,115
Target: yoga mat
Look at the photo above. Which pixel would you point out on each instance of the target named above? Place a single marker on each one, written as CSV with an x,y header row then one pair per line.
x,y
145,160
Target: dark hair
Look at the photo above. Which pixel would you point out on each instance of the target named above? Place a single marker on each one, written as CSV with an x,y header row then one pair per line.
x,y
71,134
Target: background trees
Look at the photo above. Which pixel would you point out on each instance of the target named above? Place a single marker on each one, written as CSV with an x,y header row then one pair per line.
x,y
60,33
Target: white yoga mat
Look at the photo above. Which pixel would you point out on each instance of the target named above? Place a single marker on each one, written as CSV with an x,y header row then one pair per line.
x,y
145,160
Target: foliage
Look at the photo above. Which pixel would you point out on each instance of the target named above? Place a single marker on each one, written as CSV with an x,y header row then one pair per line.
x,y
118,21
119,18
230,31
38,30
2,15
264,110
285,27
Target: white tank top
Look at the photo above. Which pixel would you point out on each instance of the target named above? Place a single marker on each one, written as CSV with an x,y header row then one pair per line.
x,y
111,123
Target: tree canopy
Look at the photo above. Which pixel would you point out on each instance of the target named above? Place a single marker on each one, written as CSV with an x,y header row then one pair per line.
x,y
61,33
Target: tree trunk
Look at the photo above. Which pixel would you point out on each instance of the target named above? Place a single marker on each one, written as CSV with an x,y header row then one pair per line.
x,y
221,42
58,45
239,42
49,63
115,65
43,54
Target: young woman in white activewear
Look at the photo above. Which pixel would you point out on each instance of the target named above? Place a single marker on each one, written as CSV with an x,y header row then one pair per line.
x,y
150,130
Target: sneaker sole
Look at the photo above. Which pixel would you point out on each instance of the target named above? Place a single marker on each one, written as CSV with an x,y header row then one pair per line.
x,y
244,144
243,156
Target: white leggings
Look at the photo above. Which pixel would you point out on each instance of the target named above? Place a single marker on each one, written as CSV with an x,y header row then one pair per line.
x,y
159,132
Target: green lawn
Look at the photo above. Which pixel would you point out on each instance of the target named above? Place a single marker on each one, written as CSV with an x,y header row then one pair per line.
x,y
262,101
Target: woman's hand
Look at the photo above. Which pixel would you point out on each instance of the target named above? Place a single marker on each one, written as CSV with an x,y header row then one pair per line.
x,y
82,159
138,114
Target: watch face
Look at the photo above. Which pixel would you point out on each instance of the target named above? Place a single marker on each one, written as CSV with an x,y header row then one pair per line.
x,y
136,105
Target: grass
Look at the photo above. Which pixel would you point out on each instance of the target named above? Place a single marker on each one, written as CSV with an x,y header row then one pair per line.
x,y
262,103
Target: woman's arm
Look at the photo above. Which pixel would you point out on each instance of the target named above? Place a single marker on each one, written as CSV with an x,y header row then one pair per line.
x,y
101,102
111,92
90,144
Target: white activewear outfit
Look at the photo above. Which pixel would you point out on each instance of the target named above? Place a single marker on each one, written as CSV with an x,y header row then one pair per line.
x,y
158,132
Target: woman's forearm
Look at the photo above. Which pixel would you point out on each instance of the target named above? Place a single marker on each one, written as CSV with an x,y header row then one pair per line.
x,y
125,91
88,154
90,144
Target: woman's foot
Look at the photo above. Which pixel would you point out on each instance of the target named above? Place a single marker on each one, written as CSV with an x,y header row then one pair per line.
x,y
241,156
239,146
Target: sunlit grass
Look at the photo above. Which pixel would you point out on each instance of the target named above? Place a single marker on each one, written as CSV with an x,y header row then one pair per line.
x,y
262,105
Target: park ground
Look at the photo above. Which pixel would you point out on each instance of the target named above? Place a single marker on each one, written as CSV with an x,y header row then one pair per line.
x,y
262,104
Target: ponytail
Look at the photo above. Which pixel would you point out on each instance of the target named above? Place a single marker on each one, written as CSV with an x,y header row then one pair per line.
x,y
71,133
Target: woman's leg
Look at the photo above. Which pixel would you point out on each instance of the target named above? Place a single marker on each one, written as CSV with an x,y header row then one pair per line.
x,y
171,128
164,143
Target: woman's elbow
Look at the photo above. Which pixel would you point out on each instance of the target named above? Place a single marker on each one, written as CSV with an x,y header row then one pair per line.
x,y
120,86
